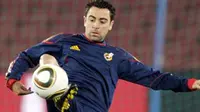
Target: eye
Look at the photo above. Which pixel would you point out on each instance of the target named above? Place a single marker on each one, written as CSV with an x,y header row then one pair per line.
x,y
91,20
102,22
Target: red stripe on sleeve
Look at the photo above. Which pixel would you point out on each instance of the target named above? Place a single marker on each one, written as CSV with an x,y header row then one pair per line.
x,y
10,83
47,42
190,83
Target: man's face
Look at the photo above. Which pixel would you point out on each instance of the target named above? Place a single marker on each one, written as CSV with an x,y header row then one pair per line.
x,y
97,23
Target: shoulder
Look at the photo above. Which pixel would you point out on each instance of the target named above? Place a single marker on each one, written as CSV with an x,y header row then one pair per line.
x,y
121,50
127,55
58,37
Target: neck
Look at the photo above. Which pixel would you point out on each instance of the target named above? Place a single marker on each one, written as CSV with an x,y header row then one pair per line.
x,y
100,43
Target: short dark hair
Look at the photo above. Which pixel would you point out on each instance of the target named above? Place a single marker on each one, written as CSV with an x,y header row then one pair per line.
x,y
101,4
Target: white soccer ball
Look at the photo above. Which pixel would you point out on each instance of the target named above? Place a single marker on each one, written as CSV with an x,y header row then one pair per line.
x,y
48,80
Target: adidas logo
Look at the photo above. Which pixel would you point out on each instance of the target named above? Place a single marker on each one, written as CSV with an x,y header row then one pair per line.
x,y
75,47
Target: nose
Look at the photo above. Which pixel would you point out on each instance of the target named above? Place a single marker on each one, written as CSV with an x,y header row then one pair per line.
x,y
95,25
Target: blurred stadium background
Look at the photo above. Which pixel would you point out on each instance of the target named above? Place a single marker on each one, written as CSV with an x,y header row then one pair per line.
x,y
24,23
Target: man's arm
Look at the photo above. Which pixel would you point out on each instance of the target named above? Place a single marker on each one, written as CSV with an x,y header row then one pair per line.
x,y
29,59
14,73
134,71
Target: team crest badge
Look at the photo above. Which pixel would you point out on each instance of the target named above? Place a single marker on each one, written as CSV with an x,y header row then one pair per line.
x,y
108,56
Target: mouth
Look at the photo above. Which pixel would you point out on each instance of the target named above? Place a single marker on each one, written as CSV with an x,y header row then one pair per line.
x,y
95,32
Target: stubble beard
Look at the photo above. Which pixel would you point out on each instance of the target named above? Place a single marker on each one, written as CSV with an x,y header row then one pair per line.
x,y
96,38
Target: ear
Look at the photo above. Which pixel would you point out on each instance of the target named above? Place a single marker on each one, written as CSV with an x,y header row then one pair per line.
x,y
111,24
84,18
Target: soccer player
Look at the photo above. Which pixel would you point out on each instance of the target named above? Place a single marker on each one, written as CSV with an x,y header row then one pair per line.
x,y
92,64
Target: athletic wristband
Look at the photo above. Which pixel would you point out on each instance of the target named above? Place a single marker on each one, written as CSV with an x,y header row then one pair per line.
x,y
190,83
10,83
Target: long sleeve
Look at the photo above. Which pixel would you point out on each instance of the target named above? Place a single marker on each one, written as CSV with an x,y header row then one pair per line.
x,y
132,70
30,57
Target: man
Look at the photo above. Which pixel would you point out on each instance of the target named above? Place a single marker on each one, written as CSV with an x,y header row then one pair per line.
x,y
92,64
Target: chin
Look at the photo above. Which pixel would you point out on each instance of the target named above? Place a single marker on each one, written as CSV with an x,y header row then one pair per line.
x,y
97,39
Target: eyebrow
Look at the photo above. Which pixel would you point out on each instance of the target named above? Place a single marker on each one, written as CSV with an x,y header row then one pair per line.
x,y
100,18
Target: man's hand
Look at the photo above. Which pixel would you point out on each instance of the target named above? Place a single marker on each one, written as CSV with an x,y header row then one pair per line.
x,y
20,89
196,85
61,100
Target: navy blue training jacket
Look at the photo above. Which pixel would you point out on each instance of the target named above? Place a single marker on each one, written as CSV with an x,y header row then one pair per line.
x,y
95,69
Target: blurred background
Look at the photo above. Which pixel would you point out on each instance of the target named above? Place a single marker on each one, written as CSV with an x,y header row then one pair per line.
x,y
164,34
